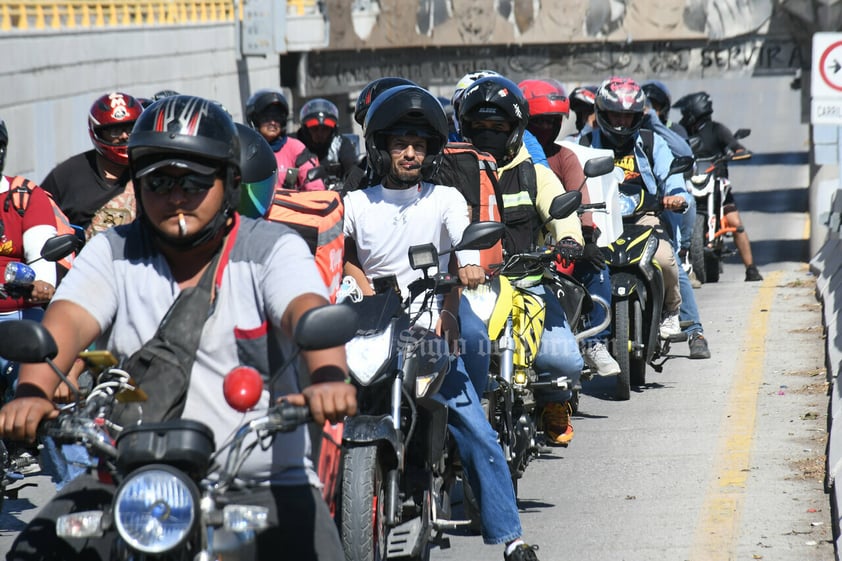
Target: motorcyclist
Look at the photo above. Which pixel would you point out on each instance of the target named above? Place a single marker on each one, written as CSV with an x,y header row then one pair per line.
x,y
258,173
657,118
531,143
319,131
267,111
94,188
184,155
493,116
364,100
21,239
711,139
619,109
405,132
548,107
582,104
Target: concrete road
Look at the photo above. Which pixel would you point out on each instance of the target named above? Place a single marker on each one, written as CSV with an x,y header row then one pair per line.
x,y
715,459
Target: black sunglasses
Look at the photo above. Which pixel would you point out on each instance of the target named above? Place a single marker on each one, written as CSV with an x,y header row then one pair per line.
x,y
191,183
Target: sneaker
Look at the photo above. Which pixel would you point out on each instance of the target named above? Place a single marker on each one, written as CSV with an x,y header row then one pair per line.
x,y
670,325
698,346
752,274
25,463
556,422
600,361
522,552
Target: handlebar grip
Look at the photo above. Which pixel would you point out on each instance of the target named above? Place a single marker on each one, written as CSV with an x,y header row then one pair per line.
x,y
286,417
589,206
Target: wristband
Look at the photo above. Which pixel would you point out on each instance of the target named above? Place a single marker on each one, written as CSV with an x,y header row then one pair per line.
x,y
325,374
30,390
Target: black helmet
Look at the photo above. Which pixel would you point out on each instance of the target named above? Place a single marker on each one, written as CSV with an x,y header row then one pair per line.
x,y
374,89
192,133
259,173
495,97
658,94
261,99
695,107
405,110
4,142
157,96
619,95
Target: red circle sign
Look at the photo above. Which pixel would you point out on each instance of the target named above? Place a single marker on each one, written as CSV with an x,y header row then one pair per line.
x,y
837,84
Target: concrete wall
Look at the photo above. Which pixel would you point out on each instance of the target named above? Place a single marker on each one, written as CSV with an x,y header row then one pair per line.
x,y
52,79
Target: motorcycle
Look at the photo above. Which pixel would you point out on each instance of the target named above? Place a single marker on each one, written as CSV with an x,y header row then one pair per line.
x,y
637,287
711,229
515,321
169,486
396,470
19,278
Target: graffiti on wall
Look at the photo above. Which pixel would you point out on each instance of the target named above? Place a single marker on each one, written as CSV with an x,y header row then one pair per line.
x,y
379,24
334,72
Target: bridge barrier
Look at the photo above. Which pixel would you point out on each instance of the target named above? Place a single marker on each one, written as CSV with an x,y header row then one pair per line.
x,y
826,265
66,15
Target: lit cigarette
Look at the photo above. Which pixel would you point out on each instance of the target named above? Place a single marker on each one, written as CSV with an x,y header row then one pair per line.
x,y
182,225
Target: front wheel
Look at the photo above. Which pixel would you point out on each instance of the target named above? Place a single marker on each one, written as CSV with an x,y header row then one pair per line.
x,y
622,348
363,493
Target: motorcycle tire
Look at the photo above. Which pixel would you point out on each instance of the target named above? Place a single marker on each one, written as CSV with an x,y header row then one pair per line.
x,y
697,249
712,267
637,364
621,347
362,520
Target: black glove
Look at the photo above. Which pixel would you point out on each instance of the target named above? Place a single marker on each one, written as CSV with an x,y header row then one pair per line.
x,y
592,253
568,250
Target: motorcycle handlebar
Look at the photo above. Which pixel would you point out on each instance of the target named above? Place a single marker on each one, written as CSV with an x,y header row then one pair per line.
x,y
286,417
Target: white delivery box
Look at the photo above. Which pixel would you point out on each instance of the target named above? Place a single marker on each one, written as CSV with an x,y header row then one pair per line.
x,y
603,188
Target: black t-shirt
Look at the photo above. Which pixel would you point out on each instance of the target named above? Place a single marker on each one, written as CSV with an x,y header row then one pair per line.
x,y
79,190
711,140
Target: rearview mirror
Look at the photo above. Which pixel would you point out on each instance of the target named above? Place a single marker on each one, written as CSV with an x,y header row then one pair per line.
x,y
326,326
680,164
59,247
566,204
742,133
25,340
599,166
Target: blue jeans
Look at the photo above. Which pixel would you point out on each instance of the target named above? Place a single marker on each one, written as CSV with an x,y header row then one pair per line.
x,y
559,353
476,346
598,283
482,458
688,310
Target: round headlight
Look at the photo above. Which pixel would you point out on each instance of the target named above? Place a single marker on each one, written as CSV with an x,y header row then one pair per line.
x,y
155,509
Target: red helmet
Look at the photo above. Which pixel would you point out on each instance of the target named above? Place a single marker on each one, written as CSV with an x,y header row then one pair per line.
x,y
113,111
545,96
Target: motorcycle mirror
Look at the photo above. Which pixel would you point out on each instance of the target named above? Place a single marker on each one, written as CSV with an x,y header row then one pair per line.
x,y
26,340
481,235
59,247
242,388
680,164
742,133
564,205
598,166
326,326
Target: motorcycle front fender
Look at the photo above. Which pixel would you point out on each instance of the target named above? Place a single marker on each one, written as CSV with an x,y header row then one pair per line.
x,y
624,285
369,429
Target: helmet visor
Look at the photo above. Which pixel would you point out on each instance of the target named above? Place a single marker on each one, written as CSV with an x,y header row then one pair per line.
x,y
256,197
181,163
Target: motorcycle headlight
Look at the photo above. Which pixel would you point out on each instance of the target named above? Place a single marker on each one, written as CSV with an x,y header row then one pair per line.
x,y
155,509
367,353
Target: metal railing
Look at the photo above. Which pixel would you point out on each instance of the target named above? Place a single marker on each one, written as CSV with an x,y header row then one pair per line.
x,y
43,15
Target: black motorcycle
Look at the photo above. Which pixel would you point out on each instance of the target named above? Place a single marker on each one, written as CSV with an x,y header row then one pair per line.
x,y
169,486
397,455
